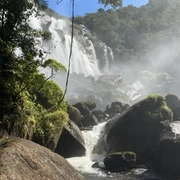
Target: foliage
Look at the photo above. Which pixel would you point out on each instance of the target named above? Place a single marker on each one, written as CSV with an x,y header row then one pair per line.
x,y
46,35
21,120
50,94
114,3
49,125
54,65
134,33
25,92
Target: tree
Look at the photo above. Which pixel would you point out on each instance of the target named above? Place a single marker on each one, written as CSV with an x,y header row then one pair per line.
x,y
114,3
19,63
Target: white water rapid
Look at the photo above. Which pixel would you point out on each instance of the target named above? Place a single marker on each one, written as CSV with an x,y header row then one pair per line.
x,y
84,164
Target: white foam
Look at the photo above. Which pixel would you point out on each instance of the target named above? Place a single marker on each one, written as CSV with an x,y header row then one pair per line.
x,y
84,164
59,47
175,127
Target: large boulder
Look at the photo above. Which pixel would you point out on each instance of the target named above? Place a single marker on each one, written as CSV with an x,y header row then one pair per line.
x,y
120,161
169,151
138,129
90,104
89,120
83,108
100,115
74,114
24,159
114,108
71,142
173,103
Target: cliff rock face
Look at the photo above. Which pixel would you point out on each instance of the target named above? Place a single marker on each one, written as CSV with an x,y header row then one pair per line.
x,y
21,159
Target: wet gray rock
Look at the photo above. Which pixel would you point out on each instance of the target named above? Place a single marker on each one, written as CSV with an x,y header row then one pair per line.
x,y
99,165
120,161
168,148
89,120
173,103
82,107
71,142
74,114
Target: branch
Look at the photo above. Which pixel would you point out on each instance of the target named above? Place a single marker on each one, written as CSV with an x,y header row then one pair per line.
x,y
59,1
70,54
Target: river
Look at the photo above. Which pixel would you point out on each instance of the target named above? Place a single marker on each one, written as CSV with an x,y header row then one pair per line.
x,y
84,164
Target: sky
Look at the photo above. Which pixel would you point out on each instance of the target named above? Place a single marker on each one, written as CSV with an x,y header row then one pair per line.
x,y
86,6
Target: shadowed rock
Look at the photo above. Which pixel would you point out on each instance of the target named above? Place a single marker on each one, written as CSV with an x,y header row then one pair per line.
x,y
89,120
169,151
71,142
120,161
173,103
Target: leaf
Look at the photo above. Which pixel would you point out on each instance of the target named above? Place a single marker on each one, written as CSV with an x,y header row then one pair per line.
x,y
54,65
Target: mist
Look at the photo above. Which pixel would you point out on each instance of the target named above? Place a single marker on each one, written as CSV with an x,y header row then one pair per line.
x,y
146,62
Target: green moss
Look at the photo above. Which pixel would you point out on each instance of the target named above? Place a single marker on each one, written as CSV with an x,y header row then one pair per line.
x,y
155,99
49,95
131,156
156,108
49,126
23,121
91,105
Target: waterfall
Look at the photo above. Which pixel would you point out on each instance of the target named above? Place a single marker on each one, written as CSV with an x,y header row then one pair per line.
x,y
83,164
58,47
110,55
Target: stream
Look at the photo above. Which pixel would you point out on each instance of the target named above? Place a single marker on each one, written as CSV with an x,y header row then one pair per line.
x,y
84,164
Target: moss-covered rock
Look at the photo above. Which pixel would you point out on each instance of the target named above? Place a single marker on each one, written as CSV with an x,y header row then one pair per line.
x,y
90,104
120,161
83,108
74,114
49,128
139,128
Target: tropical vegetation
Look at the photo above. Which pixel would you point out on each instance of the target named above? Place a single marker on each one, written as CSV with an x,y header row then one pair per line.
x,y
137,34
26,94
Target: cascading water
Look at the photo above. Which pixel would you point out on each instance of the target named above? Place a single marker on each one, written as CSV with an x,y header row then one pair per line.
x,y
58,46
84,164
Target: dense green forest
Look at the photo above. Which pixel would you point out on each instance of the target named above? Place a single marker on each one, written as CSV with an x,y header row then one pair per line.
x,y
135,34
